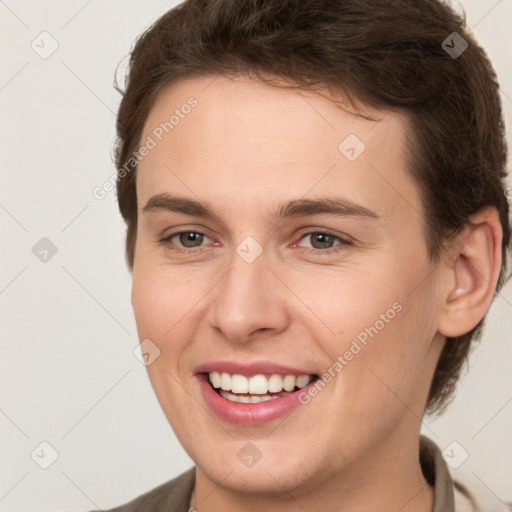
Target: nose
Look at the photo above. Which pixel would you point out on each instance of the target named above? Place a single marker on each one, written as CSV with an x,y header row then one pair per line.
x,y
250,299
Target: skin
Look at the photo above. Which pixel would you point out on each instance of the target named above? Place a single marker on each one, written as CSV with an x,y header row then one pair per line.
x,y
245,149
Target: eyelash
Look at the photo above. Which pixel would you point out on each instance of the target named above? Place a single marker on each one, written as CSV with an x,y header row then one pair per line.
x,y
342,241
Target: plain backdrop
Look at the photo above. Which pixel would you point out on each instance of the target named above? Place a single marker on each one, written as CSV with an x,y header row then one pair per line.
x,y
69,377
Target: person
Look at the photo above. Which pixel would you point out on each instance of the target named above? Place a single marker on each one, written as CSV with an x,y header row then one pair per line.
x,y
317,225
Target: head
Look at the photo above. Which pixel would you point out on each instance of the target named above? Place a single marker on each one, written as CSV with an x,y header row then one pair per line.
x,y
243,107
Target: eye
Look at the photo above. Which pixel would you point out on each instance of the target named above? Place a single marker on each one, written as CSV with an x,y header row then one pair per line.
x,y
321,241
185,240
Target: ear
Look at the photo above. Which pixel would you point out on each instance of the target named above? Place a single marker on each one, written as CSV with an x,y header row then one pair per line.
x,y
472,273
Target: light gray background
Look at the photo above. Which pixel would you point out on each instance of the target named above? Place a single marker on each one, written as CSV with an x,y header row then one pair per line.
x,y
68,375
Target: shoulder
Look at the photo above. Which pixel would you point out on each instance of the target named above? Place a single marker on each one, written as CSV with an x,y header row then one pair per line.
x,y
449,495
452,495
171,496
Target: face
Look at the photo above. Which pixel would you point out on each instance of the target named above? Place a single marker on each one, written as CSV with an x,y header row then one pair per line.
x,y
281,235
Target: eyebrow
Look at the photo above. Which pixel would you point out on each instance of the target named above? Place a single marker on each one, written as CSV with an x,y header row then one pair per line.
x,y
334,206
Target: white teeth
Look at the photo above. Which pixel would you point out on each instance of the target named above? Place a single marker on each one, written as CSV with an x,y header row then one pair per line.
x,y
239,384
254,399
302,381
225,381
215,379
289,382
257,384
275,383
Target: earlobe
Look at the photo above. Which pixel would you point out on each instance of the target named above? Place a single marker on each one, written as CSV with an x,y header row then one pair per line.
x,y
473,274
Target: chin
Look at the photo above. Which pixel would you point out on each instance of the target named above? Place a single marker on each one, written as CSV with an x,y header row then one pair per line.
x,y
273,476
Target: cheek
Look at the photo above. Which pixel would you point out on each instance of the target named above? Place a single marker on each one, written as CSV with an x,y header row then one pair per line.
x,y
380,325
389,371
351,303
158,307
149,304
170,306
158,304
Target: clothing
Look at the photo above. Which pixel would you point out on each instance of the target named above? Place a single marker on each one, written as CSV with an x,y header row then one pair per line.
x,y
174,495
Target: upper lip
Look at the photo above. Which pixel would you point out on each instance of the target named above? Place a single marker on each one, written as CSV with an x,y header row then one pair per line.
x,y
249,369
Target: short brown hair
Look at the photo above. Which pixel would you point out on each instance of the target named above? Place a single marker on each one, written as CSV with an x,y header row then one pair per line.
x,y
385,53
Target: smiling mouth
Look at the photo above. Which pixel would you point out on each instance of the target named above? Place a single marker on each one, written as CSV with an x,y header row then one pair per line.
x,y
257,388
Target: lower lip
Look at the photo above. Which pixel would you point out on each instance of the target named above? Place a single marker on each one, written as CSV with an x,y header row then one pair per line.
x,y
252,413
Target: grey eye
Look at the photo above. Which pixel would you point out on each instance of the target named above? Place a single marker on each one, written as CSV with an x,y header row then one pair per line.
x,y
190,239
321,240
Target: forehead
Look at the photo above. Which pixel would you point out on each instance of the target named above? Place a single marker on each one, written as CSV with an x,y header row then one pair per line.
x,y
219,136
